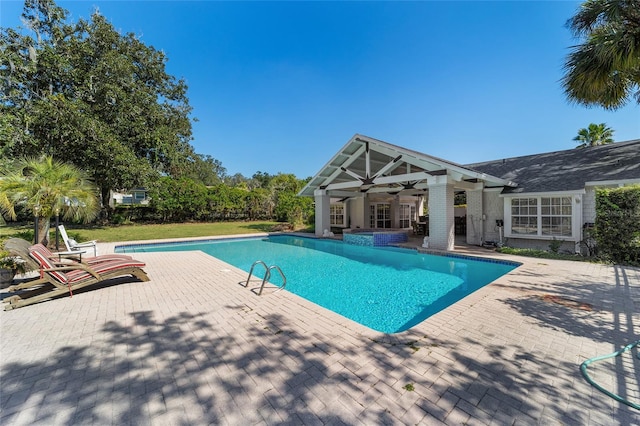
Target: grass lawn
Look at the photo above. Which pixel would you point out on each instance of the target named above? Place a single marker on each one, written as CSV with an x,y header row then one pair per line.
x,y
144,232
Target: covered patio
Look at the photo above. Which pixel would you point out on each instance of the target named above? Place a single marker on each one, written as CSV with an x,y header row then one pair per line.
x,y
371,184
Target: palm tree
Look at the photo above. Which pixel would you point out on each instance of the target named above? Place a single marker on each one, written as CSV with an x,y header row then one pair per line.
x,y
46,187
595,134
605,69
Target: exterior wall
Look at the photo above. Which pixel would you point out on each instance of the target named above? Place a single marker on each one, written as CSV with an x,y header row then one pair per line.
x,y
474,217
441,225
493,209
569,243
323,205
359,209
589,205
355,213
566,246
395,212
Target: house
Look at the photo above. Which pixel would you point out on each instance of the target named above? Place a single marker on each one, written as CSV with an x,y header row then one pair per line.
x,y
529,200
137,196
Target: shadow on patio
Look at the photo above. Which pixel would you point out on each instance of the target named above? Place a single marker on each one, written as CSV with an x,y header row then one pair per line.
x,y
187,370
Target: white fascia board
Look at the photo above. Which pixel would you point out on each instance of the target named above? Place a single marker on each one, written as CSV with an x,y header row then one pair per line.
x,y
620,182
344,185
401,178
382,190
328,163
544,194
343,194
470,186
496,189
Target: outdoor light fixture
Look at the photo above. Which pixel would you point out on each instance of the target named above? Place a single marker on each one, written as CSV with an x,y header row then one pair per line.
x,y
57,231
36,210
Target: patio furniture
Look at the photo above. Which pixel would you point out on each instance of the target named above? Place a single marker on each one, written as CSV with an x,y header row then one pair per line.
x,y
72,244
70,255
58,278
421,227
19,247
416,228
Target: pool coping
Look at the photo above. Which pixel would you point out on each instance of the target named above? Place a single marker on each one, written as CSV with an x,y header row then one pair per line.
x,y
310,236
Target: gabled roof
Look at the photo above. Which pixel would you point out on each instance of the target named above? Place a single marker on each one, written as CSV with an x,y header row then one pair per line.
x,y
567,170
366,164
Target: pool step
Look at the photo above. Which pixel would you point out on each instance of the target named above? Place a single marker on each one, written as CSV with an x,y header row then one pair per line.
x,y
267,275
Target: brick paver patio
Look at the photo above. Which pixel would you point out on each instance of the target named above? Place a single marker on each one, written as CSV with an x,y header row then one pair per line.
x,y
192,346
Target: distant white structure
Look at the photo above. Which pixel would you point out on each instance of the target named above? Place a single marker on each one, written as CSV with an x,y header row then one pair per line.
x,y
137,196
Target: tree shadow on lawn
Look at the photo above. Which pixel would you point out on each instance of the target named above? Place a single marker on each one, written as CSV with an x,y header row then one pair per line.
x,y
187,369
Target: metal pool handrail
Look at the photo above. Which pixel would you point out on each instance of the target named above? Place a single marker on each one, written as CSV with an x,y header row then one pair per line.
x,y
267,275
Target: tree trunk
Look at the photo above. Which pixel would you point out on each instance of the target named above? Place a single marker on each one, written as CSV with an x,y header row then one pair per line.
x,y
43,230
104,196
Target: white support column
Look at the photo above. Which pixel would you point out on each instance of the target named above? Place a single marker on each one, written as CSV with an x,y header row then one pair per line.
x,y
366,212
474,217
441,220
323,212
395,212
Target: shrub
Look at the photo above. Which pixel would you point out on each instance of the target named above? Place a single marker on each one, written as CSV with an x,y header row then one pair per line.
x,y
617,228
555,244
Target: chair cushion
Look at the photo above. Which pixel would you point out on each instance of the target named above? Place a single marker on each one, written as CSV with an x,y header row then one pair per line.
x,y
44,262
103,268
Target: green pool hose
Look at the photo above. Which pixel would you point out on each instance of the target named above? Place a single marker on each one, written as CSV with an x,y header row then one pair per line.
x,y
584,365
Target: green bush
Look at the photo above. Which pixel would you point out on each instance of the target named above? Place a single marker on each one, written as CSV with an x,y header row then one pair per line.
x,y
118,219
617,228
542,254
555,245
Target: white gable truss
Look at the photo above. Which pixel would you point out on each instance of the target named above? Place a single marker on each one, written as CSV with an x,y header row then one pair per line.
x,y
367,165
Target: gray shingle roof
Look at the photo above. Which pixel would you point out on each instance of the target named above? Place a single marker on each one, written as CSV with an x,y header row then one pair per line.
x,y
566,170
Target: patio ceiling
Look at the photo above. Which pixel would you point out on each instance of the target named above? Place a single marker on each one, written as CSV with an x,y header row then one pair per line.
x,y
367,165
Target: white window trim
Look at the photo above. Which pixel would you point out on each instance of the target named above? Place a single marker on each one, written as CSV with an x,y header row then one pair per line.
x,y
344,214
576,216
374,217
412,213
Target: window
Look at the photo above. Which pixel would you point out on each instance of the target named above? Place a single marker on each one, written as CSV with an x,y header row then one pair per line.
x,y
549,216
407,214
380,215
336,214
524,216
556,216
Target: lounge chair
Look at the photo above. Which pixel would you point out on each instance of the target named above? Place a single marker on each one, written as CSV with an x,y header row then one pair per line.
x,y
70,257
72,245
19,247
59,278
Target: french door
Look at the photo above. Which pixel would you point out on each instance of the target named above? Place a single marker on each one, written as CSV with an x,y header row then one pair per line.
x,y
380,215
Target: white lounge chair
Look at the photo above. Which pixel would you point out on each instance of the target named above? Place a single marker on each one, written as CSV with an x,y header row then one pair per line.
x,y
73,245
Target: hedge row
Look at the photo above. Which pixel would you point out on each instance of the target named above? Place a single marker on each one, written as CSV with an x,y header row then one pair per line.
x,y
617,228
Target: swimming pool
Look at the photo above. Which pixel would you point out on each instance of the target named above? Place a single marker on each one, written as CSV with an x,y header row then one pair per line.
x,y
384,288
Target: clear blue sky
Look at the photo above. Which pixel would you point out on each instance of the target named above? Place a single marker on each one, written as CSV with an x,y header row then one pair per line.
x,y
281,86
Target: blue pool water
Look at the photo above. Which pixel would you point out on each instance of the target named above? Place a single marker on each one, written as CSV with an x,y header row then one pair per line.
x,y
384,288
